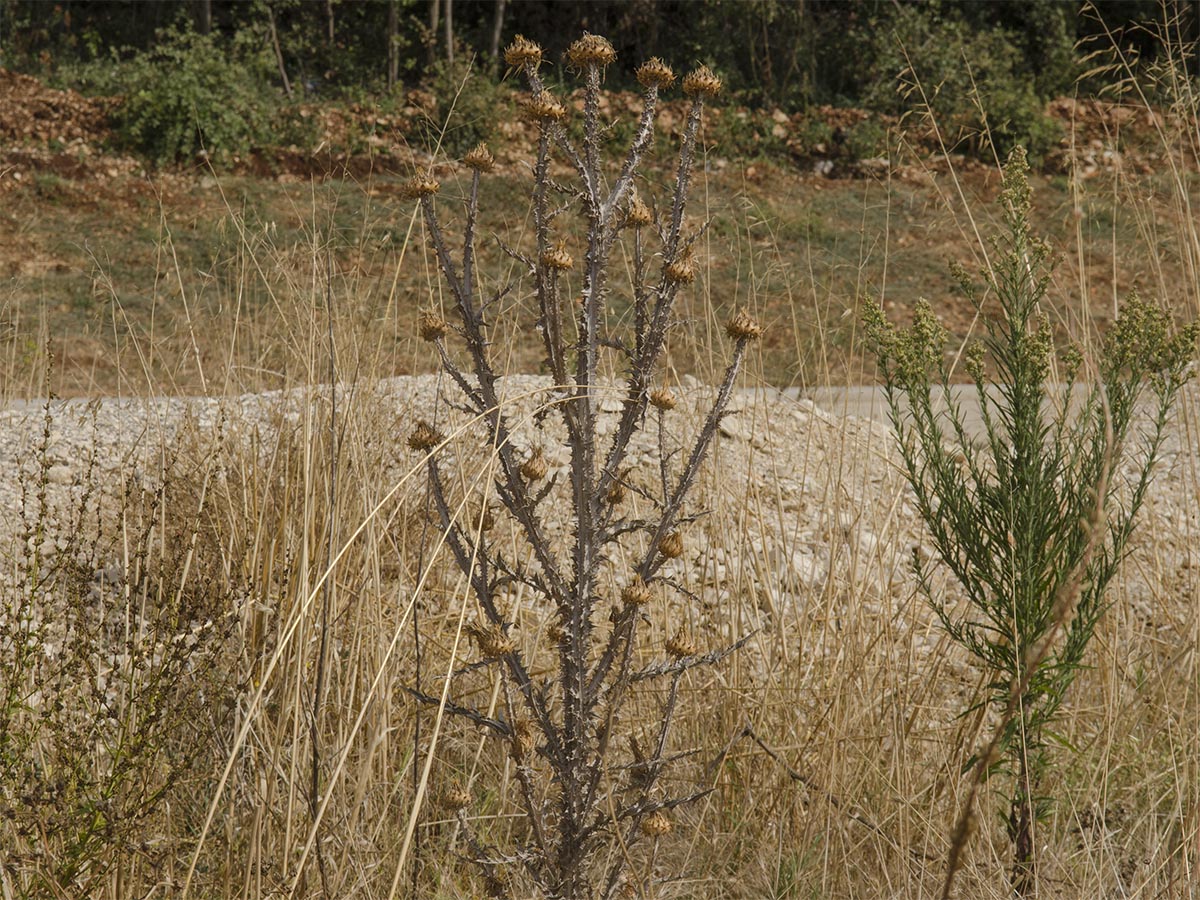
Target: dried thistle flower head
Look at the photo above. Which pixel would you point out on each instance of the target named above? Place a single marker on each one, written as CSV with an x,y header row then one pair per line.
x,y
536,467
558,257
616,492
671,545
638,214
662,398
656,824
680,645
454,798
492,640
419,186
742,327
499,883
544,107
480,158
591,50
424,437
522,52
681,270
431,326
702,82
636,593
554,635
655,73
524,740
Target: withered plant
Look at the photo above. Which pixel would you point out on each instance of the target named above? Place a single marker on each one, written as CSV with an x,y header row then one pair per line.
x,y
592,796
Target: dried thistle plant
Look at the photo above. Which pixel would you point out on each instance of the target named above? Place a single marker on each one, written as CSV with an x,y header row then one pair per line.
x,y
1034,518
589,819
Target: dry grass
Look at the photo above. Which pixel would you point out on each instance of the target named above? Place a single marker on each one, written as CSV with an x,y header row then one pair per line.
x,y
854,696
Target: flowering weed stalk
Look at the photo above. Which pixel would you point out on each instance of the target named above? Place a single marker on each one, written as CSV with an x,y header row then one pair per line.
x,y
1034,518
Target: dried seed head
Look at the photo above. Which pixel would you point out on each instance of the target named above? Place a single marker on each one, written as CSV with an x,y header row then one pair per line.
x,y
742,326
554,635
499,883
702,82
485,520
492,640
662,398
638,214
544,107
524,740
419,186
454,798
636,593
655,73
591,50
656,824
480,158
522,52
536,467
671,545
616,493
432,327
680,645
558,258
424,437
681,270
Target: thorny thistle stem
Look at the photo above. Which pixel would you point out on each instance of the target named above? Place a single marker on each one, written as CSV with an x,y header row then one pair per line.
x,y
561,734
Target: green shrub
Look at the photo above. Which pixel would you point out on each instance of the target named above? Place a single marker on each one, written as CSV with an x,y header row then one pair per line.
x,y
973,83
867,139
1033,519
469,103
191,94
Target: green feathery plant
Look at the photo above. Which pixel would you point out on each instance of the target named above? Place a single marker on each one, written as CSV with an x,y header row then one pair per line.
x,y
1032,518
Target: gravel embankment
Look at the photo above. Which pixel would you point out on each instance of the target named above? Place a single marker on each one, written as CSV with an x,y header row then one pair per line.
x,y
801,496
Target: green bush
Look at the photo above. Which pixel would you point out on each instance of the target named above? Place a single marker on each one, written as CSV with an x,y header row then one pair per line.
x,y
974,84
192,93
469,103
1033,517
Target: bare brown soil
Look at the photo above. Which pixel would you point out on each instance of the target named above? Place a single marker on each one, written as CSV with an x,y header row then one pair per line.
x,y
95,244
